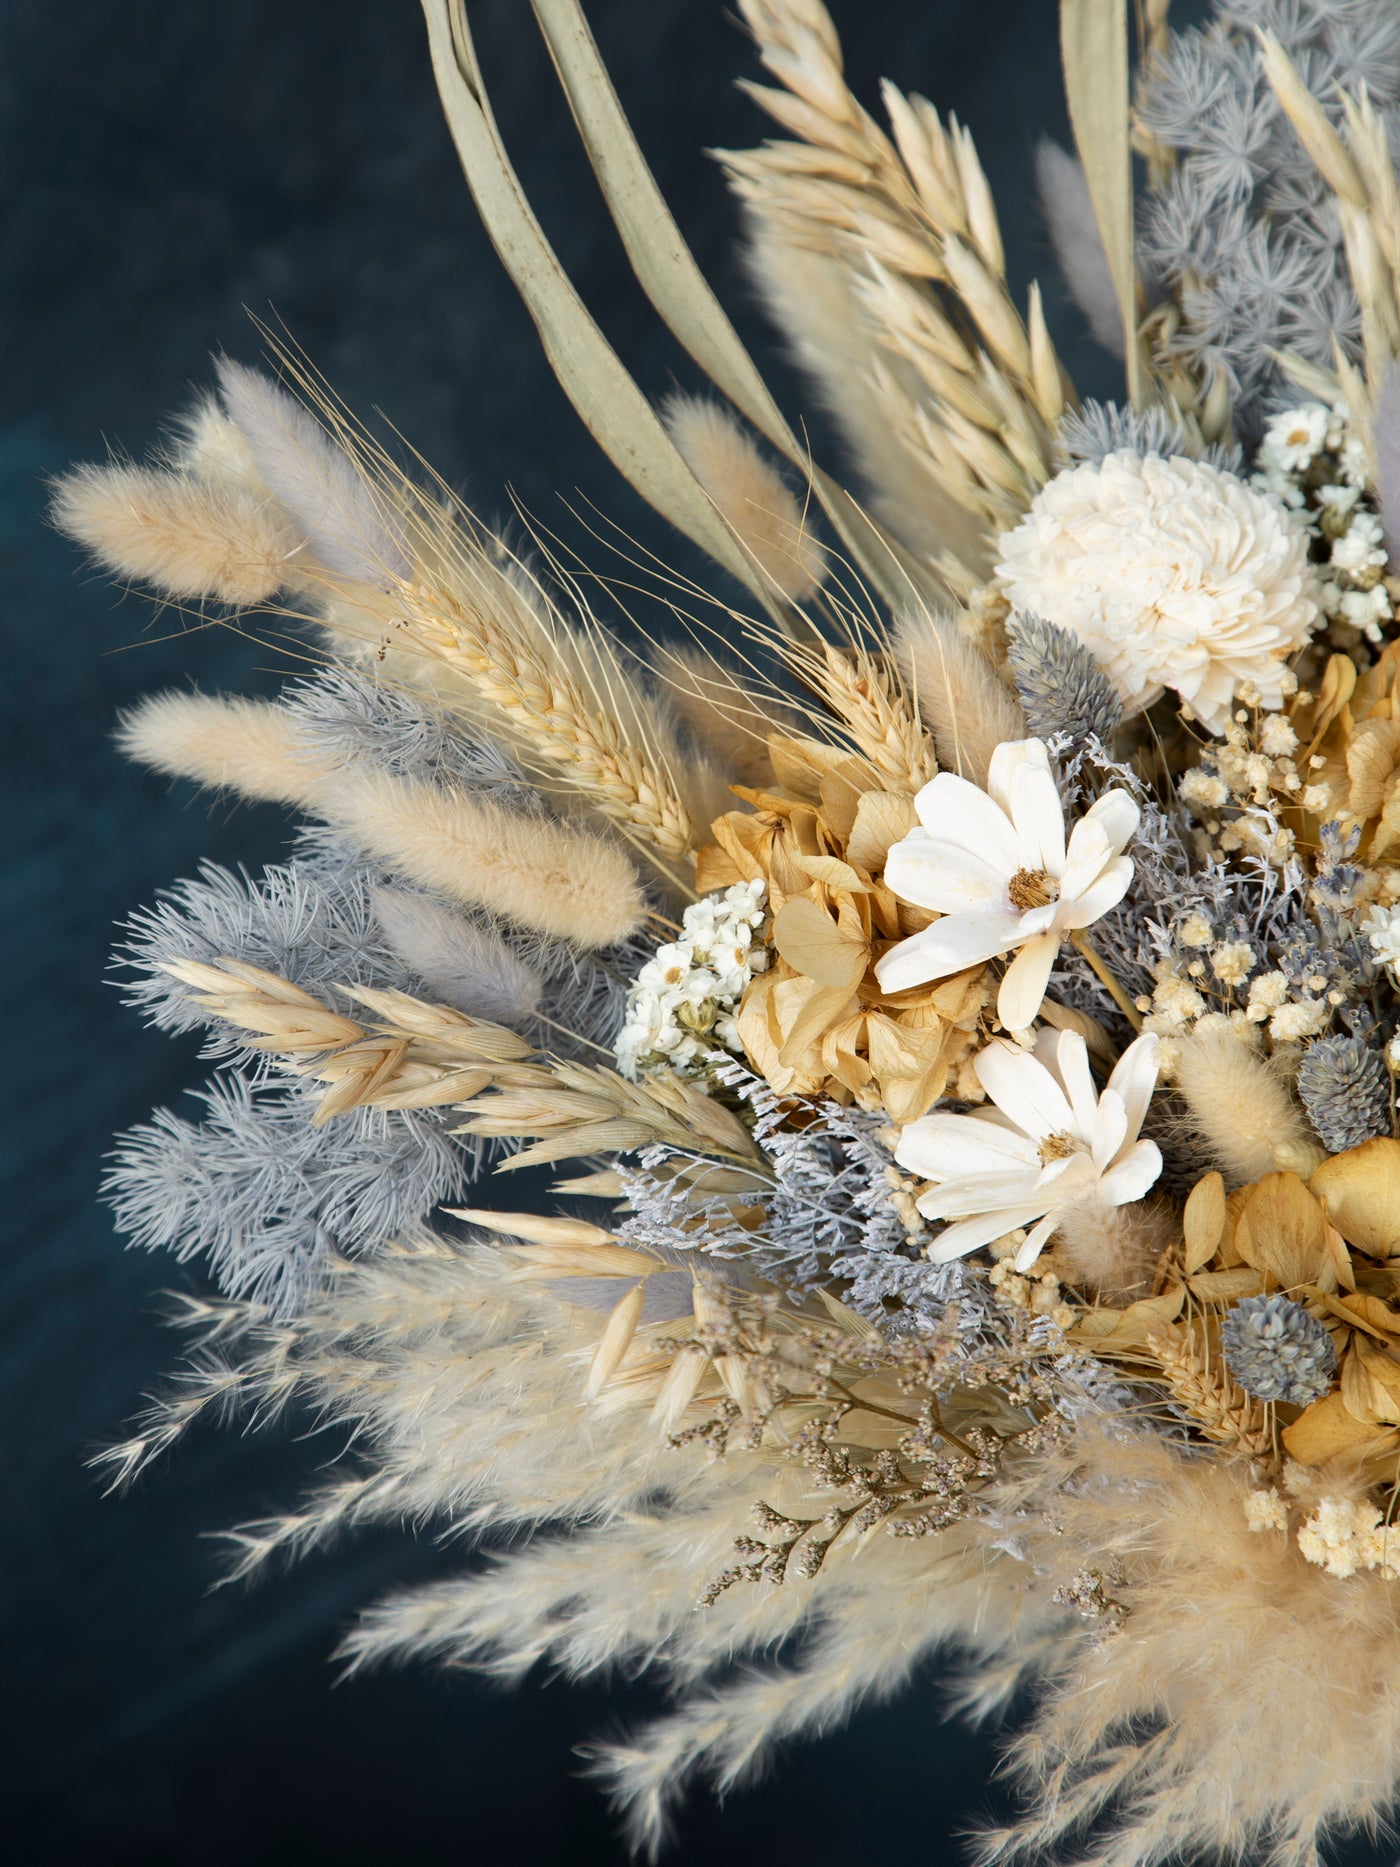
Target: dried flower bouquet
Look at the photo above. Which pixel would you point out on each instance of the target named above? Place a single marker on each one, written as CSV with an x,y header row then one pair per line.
x,y
965,1012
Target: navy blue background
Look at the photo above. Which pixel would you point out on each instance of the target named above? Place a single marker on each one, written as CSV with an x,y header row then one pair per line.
x,y
166,166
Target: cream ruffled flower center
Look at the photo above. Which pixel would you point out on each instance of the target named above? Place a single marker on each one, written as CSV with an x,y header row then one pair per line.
x,y
1172,573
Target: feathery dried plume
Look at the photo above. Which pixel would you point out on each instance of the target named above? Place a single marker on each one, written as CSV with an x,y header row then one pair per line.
x,y
1240,1108
269,1198
462,963
750,492
553,877
1346,1091
1277,1351
556,878
1062,689
344,519
188,538
252,746
1069,215
957,691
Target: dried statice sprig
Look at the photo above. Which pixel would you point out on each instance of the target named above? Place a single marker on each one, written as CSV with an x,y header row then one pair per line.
x,y
1345,1088
1277,1351
267,1197
1060,685
1245,233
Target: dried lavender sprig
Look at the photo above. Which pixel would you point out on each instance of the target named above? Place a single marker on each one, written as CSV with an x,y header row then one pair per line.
x,y
1061,686
1277,1351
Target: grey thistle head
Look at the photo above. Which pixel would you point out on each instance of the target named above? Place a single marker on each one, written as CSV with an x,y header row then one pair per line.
x,y
1061,686
1277,1351
1346,1091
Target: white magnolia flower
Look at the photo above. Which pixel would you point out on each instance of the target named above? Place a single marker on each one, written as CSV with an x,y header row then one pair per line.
x,y
995,865
1050,1142
1173,574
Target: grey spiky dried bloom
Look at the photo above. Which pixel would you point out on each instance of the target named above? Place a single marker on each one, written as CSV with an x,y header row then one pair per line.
x,y
1061,686
1277,1351
1094,429
1346,1091
1246,233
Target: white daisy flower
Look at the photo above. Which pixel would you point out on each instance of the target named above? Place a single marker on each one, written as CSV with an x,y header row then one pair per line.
x,y
1050,1143
995,865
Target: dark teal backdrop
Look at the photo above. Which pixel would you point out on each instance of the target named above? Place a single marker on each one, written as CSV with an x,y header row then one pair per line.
x,y
166,165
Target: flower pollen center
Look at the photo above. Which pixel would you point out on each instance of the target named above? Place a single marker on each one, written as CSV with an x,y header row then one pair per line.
x,y
1059,1147
1032,888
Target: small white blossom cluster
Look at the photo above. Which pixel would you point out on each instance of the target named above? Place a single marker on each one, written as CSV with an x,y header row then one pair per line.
x,y
682,1006
1342,1535
1344,1538
1312,461
1382,928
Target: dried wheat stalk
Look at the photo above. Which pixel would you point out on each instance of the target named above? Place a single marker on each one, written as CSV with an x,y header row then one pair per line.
x,y
904,214
865,695
524,676
417,1056
1218,1408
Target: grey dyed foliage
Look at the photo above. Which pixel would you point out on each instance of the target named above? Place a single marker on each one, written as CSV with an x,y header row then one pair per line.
x,y
1094,429
1246,232
254,1188
265,1197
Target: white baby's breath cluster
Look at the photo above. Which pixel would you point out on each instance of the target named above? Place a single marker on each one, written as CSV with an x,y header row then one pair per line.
x,y
1175,574
681,1008
1311,459
1239,784
1216,979
1344,1537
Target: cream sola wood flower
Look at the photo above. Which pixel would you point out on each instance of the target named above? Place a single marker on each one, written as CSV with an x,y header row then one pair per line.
x,y
1173,573
1050,1143
995,865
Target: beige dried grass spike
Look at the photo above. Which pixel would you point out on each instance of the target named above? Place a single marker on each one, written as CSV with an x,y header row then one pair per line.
x,y
187,537
958,693
1240,1108
750,493
554,878
884,218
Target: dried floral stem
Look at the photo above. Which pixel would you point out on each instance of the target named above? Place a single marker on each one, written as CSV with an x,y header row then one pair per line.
x,y
1099,967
